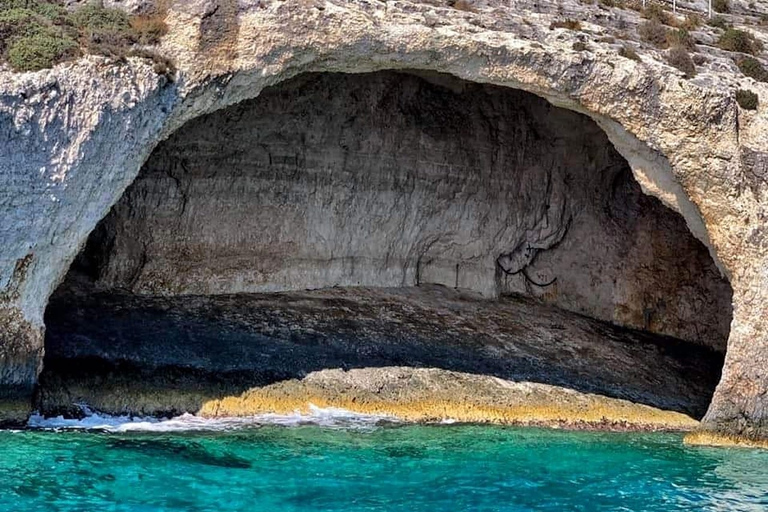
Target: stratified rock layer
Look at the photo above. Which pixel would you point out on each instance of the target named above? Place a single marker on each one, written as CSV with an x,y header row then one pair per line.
x,y
391,179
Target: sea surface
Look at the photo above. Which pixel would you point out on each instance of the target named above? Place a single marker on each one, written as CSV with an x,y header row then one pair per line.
x,y
334,461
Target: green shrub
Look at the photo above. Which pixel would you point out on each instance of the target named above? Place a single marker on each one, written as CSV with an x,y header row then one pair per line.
x,y
752,68
734,40
18,22
747,100
718,22
681,38
50,10
40,51
654,33
721,6
36,34
629,53
97,19
681,59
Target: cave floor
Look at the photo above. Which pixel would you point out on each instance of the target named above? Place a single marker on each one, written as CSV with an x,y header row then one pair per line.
x,y
166,355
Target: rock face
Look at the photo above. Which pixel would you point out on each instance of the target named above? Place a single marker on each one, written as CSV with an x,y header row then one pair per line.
x,y
73,138
390,179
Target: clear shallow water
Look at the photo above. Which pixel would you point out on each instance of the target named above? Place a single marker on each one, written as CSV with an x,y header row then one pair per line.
x,y
365,468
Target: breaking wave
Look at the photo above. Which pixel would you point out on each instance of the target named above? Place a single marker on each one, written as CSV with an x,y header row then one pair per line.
x,y
330,417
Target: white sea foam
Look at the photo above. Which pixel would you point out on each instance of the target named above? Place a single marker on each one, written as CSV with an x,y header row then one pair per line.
x,y
326,417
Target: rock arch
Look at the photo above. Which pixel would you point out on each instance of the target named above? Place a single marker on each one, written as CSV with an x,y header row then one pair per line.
x,y
76,137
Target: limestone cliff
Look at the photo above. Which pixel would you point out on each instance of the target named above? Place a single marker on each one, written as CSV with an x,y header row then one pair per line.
x,y
75,137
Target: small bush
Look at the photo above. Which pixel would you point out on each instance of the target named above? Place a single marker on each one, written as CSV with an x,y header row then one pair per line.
x,y
18,22
567,24
463,5
580,46
629,53
734,40
40,51
681,38
721,6
692,22
747,100
654,33
699,59
681,59
753,68
100,19
718,22
149,29
36,34
655,12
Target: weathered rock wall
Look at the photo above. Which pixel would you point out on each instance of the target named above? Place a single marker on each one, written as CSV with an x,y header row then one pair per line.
x,y
390,179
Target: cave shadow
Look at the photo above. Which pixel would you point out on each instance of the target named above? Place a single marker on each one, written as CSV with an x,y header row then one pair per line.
x,y
220,346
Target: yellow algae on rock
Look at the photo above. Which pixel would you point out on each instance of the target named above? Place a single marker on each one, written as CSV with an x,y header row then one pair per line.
x,y
433,395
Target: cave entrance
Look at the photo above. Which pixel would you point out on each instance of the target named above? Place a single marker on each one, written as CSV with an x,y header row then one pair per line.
x,y
406,219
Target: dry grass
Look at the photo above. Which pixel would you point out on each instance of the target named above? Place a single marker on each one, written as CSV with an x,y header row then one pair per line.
x,y
569,24
149,29
464,5
654,33
681,59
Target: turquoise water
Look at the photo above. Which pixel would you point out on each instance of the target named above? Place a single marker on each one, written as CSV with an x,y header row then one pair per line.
x,y
405,468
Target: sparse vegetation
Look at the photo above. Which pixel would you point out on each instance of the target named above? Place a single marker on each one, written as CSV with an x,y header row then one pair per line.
x,y
629,53
753,68
721,6
747,100
718,22
692,22
654,33
463,5
568,23
681,59
580,46
37,34
655,12
39,51
735,40
681,38
612,3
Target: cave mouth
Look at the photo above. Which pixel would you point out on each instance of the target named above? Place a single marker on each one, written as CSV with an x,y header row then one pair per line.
x,y
388,219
